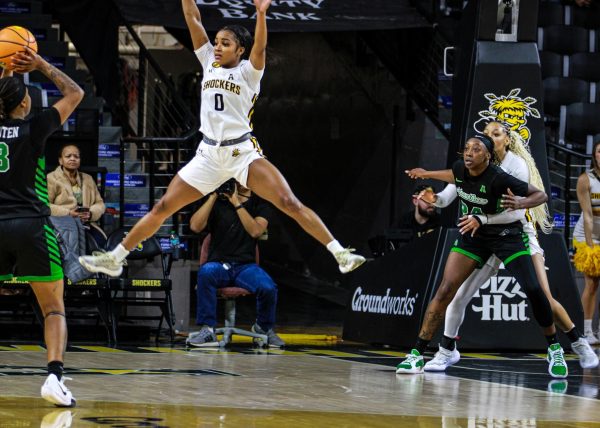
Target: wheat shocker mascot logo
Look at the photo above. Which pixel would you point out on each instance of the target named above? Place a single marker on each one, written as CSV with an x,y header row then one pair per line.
x,y
510,109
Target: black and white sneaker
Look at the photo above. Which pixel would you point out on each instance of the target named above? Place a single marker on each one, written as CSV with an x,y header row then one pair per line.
x,y
206,337
274,340
55,391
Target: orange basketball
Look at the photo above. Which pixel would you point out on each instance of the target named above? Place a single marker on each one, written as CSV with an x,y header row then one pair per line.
x,y
12,40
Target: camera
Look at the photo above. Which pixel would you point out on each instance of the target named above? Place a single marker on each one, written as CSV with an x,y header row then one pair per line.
x,y
226,189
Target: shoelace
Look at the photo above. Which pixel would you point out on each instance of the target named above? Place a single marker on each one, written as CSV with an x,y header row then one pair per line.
x,y
558,357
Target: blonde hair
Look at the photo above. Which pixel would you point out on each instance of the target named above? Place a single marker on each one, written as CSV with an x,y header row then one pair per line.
x,y
540,215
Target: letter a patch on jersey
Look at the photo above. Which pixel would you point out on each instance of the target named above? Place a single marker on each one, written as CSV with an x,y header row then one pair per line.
x,y
482,189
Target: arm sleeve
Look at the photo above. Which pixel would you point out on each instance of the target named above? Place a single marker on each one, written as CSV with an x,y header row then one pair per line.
x,y
251,74
205,54
446,196
42,126
506,217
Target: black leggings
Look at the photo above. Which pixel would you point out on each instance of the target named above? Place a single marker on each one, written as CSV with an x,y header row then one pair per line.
x,y
524,272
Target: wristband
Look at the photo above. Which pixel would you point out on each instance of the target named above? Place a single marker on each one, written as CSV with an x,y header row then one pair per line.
x,y
238,207
479,219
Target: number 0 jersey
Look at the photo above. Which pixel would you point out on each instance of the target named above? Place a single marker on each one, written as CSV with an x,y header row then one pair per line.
x,y
23,187
482,194
228,96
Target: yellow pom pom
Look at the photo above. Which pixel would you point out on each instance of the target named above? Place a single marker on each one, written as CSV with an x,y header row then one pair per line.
x,y
587,260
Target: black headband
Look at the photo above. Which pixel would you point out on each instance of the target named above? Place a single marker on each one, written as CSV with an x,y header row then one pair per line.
x,y
487,142
16,93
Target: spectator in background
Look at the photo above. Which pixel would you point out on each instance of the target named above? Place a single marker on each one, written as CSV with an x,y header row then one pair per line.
x,y
235,219
75,193
423,218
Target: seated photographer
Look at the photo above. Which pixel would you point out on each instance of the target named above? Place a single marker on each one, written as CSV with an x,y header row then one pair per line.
x,y
75,193
235,219
423,218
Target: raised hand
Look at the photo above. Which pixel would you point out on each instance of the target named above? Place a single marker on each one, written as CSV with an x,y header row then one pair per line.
x,y
262,5
26,61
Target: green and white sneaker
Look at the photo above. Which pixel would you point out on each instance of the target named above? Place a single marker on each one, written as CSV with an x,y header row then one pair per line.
x,y
557,366
412,364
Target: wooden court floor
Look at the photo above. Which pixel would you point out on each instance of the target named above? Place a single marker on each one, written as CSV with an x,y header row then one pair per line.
x,y
146,386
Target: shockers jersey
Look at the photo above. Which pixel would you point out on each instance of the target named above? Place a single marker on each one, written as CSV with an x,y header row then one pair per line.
x,y
228,96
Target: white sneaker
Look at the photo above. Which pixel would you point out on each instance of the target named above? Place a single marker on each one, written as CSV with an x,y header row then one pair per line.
x,y
587,357
102,262
348,261
591,338
56,392
57,419
442,359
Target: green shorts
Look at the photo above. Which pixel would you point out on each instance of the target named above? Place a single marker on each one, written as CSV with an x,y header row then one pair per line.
x,y
29,250
507,245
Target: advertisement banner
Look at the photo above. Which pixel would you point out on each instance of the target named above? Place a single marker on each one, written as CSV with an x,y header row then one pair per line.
x,y
283,15
388,295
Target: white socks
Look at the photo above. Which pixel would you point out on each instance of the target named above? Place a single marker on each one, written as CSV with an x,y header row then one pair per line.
x,y
334,247
587,326
120,252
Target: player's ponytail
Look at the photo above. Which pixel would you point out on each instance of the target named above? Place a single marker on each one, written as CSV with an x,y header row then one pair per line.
x,y
12,92
243,38
541,213
2,113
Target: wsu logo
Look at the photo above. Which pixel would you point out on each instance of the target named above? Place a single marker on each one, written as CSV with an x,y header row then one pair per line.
x,y
501,300
510,109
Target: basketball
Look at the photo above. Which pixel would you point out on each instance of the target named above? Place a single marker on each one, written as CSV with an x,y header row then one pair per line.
x,y
13,39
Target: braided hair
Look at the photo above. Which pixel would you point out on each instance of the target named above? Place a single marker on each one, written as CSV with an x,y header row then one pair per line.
x,y
541,214
242,37
12,92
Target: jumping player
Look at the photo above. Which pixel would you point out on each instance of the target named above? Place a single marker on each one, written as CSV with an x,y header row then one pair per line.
x,y
514,158
230,87
481,187
28,247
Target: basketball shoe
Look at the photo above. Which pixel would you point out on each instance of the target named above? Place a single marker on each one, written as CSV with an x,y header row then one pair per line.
x,y
348,261
587,357
442,359
591,337
413,363
557,366
102,262
55,391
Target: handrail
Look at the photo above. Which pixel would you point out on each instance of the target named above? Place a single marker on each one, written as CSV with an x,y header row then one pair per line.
x,y
569,153
175,143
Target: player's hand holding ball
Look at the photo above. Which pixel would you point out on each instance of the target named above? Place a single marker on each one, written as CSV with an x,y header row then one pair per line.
x,y
24,62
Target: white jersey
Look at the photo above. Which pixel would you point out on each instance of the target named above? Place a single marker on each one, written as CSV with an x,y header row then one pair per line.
x,y
579,233
228,96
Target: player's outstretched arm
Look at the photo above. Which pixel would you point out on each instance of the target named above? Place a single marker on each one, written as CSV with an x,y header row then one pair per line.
x,y
443,175
27,61
258,54
193,20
